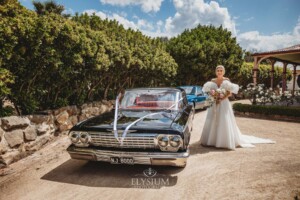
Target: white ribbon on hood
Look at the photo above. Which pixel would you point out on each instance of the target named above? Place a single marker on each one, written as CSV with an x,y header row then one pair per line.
x,y
131,124
141,118
116,118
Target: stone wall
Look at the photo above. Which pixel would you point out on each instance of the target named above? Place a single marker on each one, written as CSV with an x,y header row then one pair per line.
x,y
22,135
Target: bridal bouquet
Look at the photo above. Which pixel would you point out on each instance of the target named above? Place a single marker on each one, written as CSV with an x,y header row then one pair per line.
x,y
216,94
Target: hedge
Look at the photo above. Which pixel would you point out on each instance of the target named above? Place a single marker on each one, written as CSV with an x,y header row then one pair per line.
x,y
268,110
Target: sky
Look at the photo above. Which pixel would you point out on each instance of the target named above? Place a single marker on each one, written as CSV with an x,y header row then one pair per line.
x,y
258,25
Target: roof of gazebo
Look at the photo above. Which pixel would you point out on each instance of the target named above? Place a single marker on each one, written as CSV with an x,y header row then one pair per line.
x,y
289,54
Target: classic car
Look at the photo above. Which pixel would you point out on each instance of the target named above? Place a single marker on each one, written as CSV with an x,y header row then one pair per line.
x,y
195,96
147,126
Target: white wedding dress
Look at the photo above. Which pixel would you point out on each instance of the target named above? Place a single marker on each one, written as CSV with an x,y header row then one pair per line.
x,y
220,128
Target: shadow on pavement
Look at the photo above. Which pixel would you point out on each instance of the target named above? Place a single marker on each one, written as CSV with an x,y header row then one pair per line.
x,y
197,148
101,174
200,110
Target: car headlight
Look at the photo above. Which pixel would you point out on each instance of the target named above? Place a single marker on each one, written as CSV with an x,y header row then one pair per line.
x,y
84,137
175,141
80,139
163,141
169,142
74,136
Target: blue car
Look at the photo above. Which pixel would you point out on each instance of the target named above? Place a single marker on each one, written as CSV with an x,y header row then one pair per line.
x,y
195,96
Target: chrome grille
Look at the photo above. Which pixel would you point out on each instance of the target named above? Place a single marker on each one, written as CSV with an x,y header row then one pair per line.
x,y
144,141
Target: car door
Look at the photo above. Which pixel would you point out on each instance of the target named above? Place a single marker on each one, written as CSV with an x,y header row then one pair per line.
x,y
200,95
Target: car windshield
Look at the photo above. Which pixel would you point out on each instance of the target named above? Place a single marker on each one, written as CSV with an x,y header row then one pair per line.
x,y
150,99
189,90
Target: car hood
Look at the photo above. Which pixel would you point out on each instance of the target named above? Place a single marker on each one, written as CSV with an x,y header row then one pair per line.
x,y
161,120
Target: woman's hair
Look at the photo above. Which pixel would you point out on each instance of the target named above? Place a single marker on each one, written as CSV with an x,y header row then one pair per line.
x,y
222,67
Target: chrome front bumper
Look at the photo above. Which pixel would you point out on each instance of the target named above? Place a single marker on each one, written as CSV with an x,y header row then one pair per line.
x,y
177,159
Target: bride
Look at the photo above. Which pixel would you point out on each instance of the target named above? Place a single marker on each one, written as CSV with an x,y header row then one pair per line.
x,y
220,128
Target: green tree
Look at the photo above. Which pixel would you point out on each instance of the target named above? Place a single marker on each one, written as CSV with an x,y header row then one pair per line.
x,y
244,75
135,60
198,51
6,78
43,8
59,61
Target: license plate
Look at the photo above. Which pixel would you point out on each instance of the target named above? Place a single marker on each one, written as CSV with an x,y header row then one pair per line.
x,y
122,160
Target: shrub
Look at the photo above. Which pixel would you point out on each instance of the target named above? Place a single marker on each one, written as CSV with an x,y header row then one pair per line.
x,y
268,110
6,111
261,95
244,74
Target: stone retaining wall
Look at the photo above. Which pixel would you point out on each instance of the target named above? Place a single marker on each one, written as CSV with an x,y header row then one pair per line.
x,y
22,135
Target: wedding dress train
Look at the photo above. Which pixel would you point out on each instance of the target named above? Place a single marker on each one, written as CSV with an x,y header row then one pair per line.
x,y
220,128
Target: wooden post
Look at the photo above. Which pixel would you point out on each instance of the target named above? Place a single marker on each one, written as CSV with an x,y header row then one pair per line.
x,y
272,73
284,77
294,79
255,68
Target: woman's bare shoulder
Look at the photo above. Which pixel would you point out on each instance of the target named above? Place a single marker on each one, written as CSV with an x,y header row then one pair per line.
x,y
225,78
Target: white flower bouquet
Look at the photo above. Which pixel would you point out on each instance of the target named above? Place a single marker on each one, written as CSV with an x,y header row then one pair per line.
x,y
216,94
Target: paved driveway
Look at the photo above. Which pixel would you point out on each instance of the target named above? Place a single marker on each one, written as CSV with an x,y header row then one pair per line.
x,y
268,171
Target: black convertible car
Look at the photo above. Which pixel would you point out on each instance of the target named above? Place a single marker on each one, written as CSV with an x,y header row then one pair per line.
x,y
148,126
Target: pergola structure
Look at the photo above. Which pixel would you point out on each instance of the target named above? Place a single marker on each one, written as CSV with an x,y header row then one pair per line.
x,y
289,55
